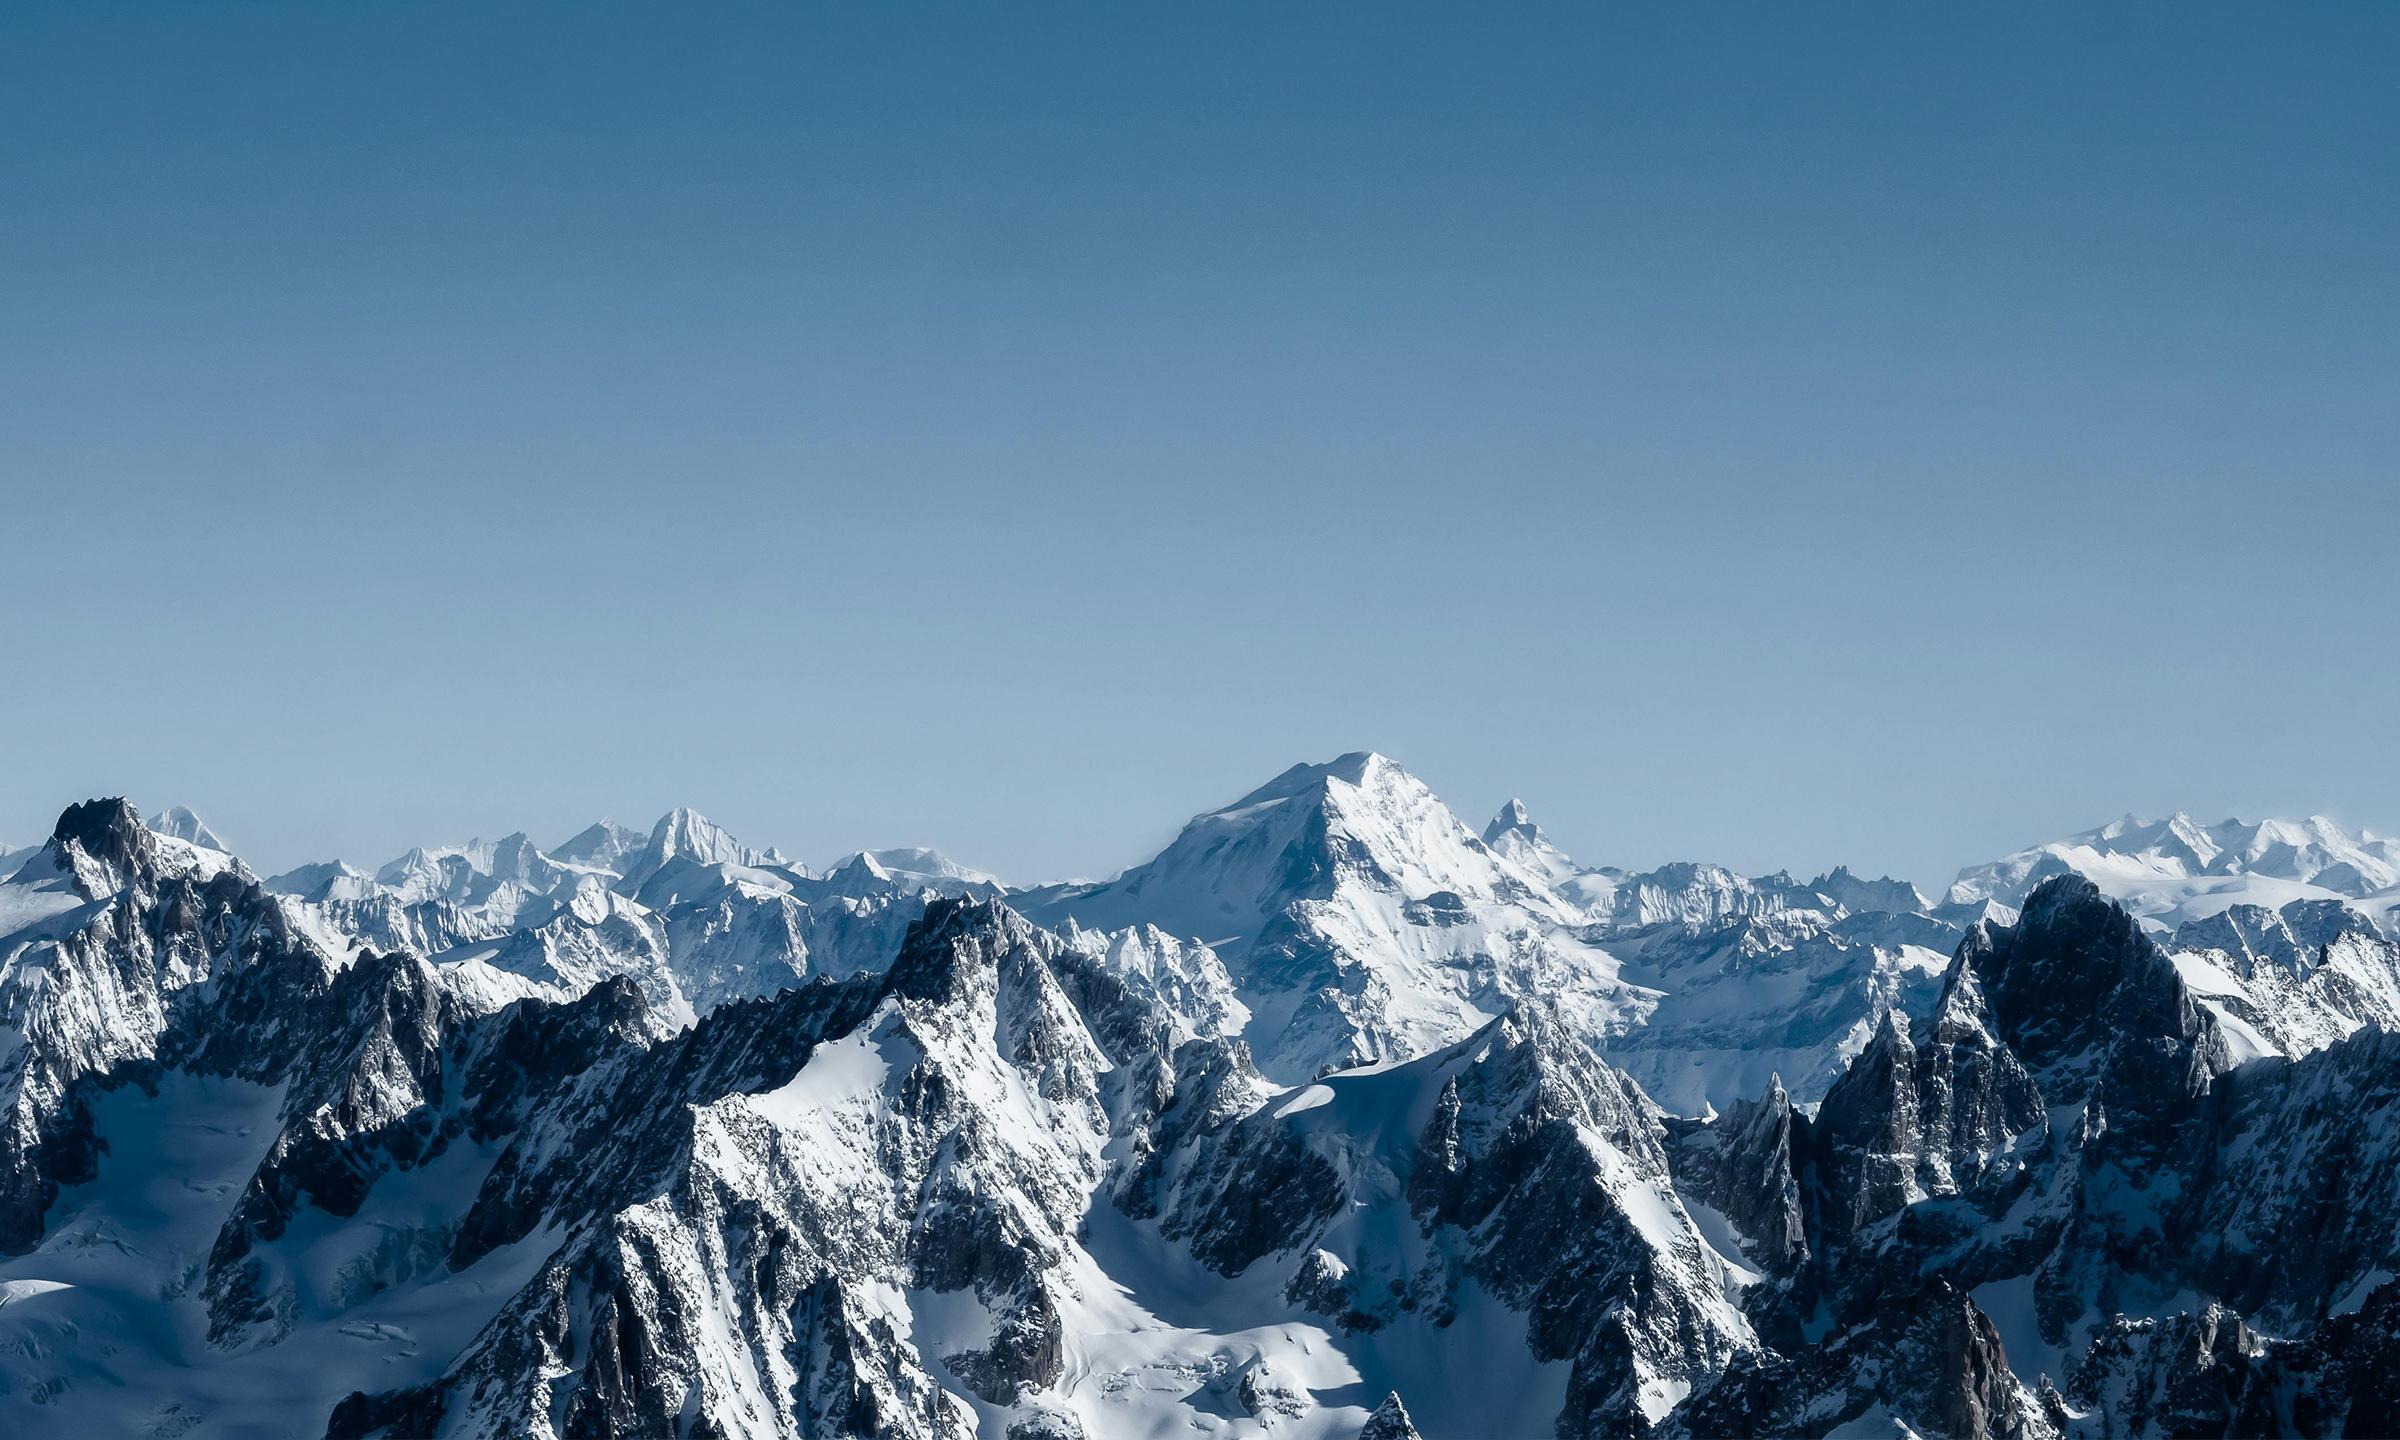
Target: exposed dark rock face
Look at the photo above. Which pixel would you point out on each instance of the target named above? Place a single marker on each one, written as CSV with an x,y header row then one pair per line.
x,y
104,846
1932,1361
1529,1167
1937,1163
394,1071
1949,1117
690,1206
397,1415
1249,1191
618,1133
2288,1149
2181,1375
101,988
2083,998
1749,1166
2210,1374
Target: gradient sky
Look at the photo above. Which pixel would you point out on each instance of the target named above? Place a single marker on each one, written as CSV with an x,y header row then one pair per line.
x,y
1779,434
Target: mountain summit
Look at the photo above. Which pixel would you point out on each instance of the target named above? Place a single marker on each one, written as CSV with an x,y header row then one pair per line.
x,y
1513,836
178,823
1360,919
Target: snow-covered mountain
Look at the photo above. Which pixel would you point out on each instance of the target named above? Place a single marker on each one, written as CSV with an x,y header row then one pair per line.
x,y
2173,870
1788,996
2291,981
2079,1163
684,849
917,868
996,1184
178,823
603,845
1361,921
1747,979
1764,976
1513,836
1335,1119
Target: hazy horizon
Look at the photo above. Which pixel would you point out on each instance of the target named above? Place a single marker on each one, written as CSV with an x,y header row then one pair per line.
x,y
1931,884
1784,438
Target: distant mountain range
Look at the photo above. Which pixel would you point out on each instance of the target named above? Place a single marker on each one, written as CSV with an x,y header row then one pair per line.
x,y
1336,1118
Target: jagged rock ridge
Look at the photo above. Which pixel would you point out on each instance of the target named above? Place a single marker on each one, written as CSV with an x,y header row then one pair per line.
x,y
669,1135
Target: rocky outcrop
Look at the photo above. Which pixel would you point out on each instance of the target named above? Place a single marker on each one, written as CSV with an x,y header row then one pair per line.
x,y
1752,1164
1389,1422
1946,1159
793,1163
389,1071
139,927
1930,1361
2210,1374
2295,980
1527,1167
1949,1117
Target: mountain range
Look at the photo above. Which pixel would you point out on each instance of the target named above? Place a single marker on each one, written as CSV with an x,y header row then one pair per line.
x,y
1338,1117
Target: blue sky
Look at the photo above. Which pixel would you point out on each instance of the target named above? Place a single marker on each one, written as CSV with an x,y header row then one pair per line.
x,y
1777,435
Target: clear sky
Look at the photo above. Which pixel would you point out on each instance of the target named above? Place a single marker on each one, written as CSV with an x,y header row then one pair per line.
x,y
1777,434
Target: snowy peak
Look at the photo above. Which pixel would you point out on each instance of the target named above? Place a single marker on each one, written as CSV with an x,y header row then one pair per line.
x,y
2178,838
2178,869
2292,939
686,834
1359,769
1698,896
604,845
1867,897
906,868
2293,981
917,861
446,873
1514,837
178,823
686,837
1360,819
1362,922
515,860
323,880
503,875
1513,819
1386,825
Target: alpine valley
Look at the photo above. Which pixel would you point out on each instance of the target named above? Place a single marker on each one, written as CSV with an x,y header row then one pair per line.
x,y
1338,1118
